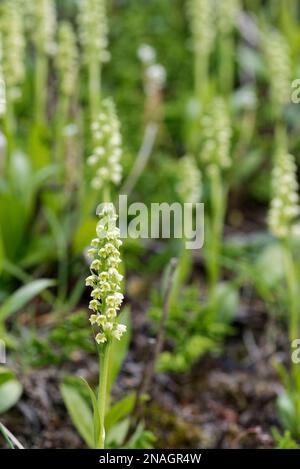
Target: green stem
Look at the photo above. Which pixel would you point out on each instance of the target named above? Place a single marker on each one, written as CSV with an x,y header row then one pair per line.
x,y
226,63
201,74
106,193
291,279
61,121
41,73
281,143
10,128
217,220
102,395
94,88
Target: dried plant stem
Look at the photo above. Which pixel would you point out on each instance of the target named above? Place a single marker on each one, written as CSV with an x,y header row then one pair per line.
x,y
150,366
10,438
142,158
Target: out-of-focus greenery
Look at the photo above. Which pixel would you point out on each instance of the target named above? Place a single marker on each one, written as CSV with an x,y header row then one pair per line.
x,y
47,206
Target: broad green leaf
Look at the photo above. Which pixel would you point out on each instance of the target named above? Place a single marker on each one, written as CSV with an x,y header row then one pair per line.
x,y
21,179
227,299
41,176
96,415
79,411
117,434
10,389
119,411
287,409
270,265
23,295
6,374
13,220
37,147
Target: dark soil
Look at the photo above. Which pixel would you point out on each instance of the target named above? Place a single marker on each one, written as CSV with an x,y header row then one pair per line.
x,y
225,401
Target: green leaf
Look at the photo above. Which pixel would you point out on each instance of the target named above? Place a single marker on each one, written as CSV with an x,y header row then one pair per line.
x,y
20,178
37,146
119,411
23,295
284,441
13,220
284,376
117,434
96,415
270,265
10,389
227,299
79,411
6,375
287,404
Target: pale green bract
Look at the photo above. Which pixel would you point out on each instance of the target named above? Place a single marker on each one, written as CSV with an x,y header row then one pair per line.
x,y
105,278
285,202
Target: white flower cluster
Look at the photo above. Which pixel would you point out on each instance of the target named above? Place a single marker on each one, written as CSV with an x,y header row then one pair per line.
x,y
155,73
93,30
189,187
67,58
43,25
278,60
105,278
201,14
217,133
107,147
13,43
285,203
227,11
